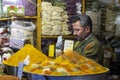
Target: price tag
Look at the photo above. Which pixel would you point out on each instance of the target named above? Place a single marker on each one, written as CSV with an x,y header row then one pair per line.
x,y
20,70
51,50
68,45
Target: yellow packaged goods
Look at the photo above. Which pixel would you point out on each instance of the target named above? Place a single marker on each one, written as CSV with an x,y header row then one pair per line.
x,y
35,56
69,63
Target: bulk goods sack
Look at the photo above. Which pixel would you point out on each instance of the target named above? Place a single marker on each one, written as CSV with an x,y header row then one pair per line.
x,y
21,31
22,28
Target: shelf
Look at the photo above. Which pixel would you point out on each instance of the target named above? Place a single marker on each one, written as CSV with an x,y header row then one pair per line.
x,y
29,17
13,17
57,36
5,19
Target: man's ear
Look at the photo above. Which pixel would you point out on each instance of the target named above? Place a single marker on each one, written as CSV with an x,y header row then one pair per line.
x,y
87,29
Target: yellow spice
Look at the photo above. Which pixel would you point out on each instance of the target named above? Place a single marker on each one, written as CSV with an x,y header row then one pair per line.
x,y
35,56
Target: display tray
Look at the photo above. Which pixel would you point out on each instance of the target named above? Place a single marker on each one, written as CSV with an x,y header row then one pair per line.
x,y
98,76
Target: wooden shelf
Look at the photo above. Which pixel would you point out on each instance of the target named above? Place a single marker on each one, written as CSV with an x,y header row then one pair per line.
x,y
13,17
35,19
57,36
5,19
30,17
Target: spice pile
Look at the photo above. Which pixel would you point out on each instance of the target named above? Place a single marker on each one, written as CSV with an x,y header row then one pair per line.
x,y
35,56
70,63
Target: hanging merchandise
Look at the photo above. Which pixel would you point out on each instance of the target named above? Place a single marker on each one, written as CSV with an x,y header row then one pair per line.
x,y
73,7
4,34
79,8
55,16
106,1
1,9
54,20
110,27
117,22
95,13
96,18
117,3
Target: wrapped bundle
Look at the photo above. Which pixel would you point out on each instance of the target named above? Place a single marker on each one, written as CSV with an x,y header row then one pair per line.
x,y
110,27
56,22
1,9
56,30
57,9
66,32
96,18
54,16
117,22
47,29
46,14
117,30
46,5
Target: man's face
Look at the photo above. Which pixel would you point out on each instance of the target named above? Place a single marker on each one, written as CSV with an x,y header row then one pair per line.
x,y
80,32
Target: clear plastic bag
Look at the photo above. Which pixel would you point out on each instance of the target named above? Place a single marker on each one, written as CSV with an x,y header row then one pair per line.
x,y
96,19
117,22
22,28
117,30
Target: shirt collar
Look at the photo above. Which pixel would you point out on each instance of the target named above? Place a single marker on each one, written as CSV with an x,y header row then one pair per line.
x,y
88,37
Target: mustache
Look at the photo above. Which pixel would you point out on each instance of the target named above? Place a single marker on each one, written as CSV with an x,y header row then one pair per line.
x,y
82,37
79,38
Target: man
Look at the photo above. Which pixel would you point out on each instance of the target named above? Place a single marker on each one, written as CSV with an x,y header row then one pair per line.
x,y
86,44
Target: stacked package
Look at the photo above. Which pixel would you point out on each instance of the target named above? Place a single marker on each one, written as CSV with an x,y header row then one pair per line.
x,y
54,20
110,27
21,33
96,18
117,24
4,34
73,7
1,8
19,7
93,10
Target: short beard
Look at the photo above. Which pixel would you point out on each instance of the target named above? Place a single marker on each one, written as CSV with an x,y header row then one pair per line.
x,y
83,37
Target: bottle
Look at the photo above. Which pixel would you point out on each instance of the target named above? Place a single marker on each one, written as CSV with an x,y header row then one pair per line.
x,y
59,45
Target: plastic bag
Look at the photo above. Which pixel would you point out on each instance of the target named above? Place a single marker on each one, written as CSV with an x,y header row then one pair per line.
x,y
117,30
96,18
27,25
22,28
110,26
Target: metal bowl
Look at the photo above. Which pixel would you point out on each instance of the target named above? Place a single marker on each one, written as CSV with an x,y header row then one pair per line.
x,y
99,76
11,70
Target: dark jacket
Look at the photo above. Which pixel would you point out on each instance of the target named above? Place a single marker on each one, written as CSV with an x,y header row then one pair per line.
x,y
90,48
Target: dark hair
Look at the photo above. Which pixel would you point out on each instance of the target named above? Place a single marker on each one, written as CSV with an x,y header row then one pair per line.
x,y
84,19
